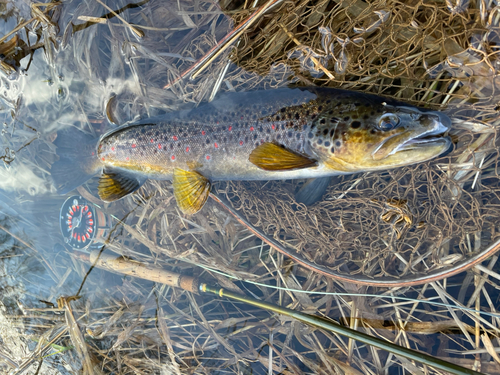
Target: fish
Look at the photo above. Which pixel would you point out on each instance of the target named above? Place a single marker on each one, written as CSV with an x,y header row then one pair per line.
x,y
289,133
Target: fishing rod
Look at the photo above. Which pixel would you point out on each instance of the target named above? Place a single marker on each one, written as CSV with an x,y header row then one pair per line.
x,y
191,284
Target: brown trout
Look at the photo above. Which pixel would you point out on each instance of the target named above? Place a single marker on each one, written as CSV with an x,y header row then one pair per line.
x,y
260,135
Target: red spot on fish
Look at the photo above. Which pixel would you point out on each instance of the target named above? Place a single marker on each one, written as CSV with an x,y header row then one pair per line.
x,y
79,238
187,149
251,128
70,226
93,153
272,126
91,222
216,145
159,146
203,132
173,157
241,143
241,118
112,149
103,159
89,229
217,122
89,214
86,208
133,145
207,157
230,128
83,239
127,158
175,138
87,235
152,140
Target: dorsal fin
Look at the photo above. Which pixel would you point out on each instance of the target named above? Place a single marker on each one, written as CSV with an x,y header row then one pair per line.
x,y
273,157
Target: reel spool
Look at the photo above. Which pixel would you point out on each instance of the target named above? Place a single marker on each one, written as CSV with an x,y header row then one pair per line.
x,y
83,224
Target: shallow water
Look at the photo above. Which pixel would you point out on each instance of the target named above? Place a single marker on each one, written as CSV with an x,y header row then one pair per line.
x,y
103,75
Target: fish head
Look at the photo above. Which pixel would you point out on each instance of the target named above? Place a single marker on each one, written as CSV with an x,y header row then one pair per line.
x,y
378,136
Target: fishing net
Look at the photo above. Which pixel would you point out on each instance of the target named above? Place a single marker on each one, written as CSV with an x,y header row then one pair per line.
x,y
393,225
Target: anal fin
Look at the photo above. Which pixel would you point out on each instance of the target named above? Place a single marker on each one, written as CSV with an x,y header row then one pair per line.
x,y
115,184
191,190
273,157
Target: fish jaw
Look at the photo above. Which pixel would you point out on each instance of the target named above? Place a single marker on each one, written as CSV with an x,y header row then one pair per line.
x,y
419,144
366,145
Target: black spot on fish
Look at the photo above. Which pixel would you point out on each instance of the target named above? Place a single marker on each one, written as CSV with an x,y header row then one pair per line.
x,y
332,150
320,108
372,113
366,117
297,115
327,144
283,110
346,118
332,132
254,137
277,118
328,101
373,131
325,131
357,104
290,134
207,141
246,139
278,136
355,124
310,135
330,112
297,136
320,141
224,118
322,121
254,117
334,119
260,128
171,146
338,144
313,117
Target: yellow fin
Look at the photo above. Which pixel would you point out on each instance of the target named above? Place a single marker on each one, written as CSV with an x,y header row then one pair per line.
x,y
273,157
191,190
115,184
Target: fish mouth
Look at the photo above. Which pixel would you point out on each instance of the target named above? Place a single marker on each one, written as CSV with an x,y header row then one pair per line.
x,y
431,137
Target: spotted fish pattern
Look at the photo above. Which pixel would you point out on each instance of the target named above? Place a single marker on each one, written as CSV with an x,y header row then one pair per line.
x,y
274,134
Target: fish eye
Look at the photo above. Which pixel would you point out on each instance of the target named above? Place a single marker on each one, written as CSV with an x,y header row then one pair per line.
x,y
388,121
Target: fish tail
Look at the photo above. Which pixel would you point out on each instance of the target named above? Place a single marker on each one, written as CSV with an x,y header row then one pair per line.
x,y
77,160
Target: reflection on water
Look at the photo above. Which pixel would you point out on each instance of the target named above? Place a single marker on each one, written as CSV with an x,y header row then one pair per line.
x,y
71,67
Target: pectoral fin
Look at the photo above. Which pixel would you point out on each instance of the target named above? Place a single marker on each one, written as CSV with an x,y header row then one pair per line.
x,y
273,157
313,190
191,190
116,184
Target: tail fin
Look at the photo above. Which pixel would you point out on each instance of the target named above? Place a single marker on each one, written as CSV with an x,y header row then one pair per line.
x,y
77,160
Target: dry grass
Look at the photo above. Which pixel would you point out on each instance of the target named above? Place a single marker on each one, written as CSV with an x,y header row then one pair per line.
x,y
425,53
